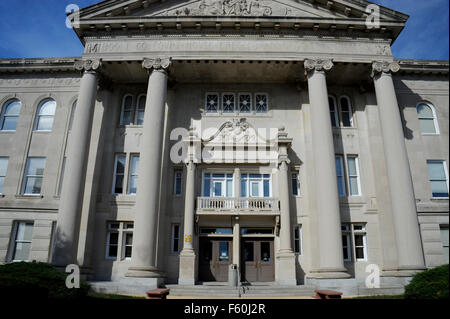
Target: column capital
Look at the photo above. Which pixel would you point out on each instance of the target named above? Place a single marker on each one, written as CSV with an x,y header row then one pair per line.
x,y
157,64
318,65
384,67
89,65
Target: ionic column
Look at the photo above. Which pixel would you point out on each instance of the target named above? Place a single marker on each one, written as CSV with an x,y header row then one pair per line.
x,y
148,190
68,220
406,225
236,224
330,261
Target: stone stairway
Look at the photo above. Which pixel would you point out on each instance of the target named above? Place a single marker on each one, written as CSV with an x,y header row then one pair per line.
x,y
247,291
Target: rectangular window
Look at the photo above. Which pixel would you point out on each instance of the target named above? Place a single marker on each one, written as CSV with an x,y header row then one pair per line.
x,y
178,183
119,173
353,175
354,242
34,174
228,103
444,236
175,238
212,103
261,103
438,178
3,169
23,233
119,240
245,102
218,185
127,110
340,175
256,185
298,239
295,184
133,174
140,110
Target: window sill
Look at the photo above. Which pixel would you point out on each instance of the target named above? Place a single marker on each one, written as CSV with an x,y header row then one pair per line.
x,y
439,198
430,134
27,196
7,131
129,126
43,131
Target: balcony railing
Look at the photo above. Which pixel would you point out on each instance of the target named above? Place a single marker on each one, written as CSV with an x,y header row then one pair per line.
x,y
231,204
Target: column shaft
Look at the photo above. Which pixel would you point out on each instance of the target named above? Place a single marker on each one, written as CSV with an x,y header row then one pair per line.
x,y
406,225
330,256
189,208
148,190
285,218
68,220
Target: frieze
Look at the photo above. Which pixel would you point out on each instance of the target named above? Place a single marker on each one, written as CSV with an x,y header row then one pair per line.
x,y
39,82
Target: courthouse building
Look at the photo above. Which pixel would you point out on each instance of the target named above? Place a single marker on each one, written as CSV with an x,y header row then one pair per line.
x,y
334,153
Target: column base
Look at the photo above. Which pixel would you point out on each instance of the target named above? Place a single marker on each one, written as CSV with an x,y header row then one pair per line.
x,y
328,273
188,268
144,272
286,269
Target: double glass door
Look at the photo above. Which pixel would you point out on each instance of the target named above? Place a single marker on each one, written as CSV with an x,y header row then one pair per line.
x,y
257,260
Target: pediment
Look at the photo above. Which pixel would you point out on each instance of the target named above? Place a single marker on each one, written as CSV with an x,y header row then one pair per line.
x,y
234,8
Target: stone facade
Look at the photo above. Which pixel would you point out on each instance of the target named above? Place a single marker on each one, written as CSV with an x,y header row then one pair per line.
x,y
295,54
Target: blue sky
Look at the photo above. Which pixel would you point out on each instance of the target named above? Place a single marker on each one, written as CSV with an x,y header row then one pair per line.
x,y
36,28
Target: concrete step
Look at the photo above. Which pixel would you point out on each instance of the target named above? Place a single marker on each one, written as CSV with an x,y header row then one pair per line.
x,y
246,291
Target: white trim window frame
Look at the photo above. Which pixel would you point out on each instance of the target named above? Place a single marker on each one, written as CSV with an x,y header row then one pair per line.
x,y
175,242
261,180
127,108
178,182
7,115
346,242
228,102
359,246
244,103
423,118
20,230
437,179
295,184
340,175
259,101
46,115
133,174
140,110
334,113
298,242
226,184
127,240
346,114
3,170
119,175
212,102
38,176
353,174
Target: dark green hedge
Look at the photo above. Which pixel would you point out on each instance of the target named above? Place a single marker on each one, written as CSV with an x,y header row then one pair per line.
x,y
430,284
37,280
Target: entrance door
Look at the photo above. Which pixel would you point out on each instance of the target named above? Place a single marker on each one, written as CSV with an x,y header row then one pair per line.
x,y
258,260
216,255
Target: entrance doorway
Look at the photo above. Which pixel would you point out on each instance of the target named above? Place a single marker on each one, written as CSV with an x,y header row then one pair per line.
x,y
257,260
216,254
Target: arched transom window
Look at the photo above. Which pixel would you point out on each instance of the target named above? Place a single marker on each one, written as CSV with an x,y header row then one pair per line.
x,y
10,115
427,118
45,116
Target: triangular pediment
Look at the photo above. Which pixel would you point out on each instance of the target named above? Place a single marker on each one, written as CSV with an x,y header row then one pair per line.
x,y
235,8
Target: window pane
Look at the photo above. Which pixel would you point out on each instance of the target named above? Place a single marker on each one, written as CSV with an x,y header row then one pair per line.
x,y
294,184
427,126
261,103
359,251
218,189
339,166
265,252
212,103
341,187
207,188
424,111
45,123
228,103
3,166
9,123
245,102
229,188
243,188
333,114
133,184
128,239
351,161
248,251
48,108
128,250
33,185
140,117
126,118
113,238
118,187
22,251
13,108
354,189
266,188
120,164
2,182
439,188
436,170
112,251
223,251
134,165
359,241
255,189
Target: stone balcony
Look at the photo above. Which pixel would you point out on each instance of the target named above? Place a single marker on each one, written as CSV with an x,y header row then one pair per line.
x,y
238,206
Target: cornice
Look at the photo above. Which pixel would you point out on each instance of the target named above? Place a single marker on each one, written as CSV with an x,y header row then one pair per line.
x,y
409,66
38,65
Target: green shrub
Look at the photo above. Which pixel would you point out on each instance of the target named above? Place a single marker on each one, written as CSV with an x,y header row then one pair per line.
x,y
37,280
430,284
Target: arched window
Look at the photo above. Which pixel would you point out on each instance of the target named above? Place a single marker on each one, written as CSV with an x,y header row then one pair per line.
x,y
427,118
140,110
10,115
127,110
333,111
45,115
346,111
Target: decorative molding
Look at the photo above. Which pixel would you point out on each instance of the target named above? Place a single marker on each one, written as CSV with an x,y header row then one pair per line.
x,y
384,67
318,65
90,65
161,64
